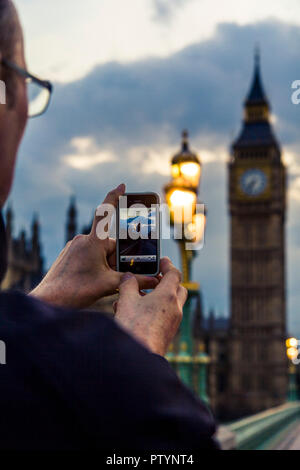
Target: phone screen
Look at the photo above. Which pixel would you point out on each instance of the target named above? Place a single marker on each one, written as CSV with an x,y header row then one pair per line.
x,y
138,233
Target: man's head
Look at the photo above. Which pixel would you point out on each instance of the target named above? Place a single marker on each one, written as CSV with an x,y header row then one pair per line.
x,y
13,114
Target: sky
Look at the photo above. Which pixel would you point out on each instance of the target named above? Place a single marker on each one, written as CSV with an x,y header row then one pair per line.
x,y
128,78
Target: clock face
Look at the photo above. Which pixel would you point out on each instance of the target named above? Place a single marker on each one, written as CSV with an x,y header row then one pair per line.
x,y
253,182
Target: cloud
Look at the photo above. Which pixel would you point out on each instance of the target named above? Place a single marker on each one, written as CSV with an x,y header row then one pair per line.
x,y
164,9
67,45
86,155
122,123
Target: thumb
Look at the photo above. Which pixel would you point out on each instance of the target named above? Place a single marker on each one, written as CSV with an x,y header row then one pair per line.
x,y
115,306
129,288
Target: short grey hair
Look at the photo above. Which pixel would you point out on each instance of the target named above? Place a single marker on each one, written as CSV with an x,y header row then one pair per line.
x,y
9,33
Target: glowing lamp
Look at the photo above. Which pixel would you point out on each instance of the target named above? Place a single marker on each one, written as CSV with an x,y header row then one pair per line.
x,y
291,343
292,353
186,167
182,204
182,198
197,227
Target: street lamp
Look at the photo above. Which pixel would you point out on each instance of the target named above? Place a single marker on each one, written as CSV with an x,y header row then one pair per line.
x,y
186,167
181,195
292,353
202,360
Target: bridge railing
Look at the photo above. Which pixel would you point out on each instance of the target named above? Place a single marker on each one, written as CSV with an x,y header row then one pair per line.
x,y
260,430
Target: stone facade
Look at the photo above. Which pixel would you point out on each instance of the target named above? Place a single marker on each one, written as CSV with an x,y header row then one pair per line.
x,y
25,261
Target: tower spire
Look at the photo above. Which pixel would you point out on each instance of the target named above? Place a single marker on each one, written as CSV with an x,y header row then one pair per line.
x,y
257,129
257,56
256,95
185,140
9,221
35,233
185,153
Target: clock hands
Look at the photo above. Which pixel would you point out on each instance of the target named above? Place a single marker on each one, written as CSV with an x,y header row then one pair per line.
x,y
253,182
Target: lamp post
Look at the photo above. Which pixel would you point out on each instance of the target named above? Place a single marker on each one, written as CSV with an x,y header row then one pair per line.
x,y
181,195
202,360
292,353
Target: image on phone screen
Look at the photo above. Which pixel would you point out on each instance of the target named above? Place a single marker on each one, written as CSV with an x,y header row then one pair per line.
x,y
138,234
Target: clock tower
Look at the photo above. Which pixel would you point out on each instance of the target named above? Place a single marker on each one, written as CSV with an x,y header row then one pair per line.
x,y
257,193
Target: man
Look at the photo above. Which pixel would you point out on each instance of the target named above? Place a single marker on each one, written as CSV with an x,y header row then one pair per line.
x,y
75,379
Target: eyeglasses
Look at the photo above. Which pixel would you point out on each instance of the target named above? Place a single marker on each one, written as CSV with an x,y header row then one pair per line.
x,y
39,91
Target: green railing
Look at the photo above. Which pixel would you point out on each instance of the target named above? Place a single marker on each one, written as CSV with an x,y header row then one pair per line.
x,y
260,430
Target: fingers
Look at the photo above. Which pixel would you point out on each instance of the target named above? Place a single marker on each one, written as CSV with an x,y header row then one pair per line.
x,y
146,282
128,289
113,196
171,276
115,303
136,282
182,294
167,267
111,201
110,249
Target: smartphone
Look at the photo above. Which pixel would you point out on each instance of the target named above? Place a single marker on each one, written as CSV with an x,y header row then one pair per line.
x,y
138,233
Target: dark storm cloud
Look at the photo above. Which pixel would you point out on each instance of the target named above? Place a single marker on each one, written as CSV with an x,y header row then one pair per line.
x,y
147,103
202,86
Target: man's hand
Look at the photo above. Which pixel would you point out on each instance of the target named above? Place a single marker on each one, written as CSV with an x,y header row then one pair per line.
x,y
153,318
84,270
